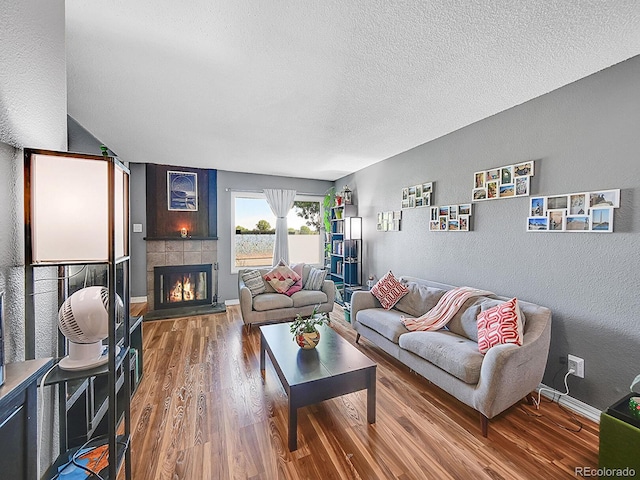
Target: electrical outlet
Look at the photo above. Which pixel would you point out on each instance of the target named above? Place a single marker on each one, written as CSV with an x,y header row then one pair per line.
x,y
577,364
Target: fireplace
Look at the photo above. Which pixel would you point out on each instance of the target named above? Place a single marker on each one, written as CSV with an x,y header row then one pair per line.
x,y
182,286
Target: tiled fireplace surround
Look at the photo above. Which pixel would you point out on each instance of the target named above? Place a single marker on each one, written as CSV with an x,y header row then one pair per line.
x,y
178,252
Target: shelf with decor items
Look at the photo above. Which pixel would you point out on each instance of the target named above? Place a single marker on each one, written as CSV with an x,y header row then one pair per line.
x,y
345,247
77,219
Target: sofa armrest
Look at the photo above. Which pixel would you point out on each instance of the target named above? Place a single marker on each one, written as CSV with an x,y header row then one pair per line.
x,y
246,300
509,372
361,300
329,288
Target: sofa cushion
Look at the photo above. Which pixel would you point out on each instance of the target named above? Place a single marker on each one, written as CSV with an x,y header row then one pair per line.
x,y
386,322
281,277
465,321
254,282
452,353
271,301
308,297
388,290
419,300
499,325
305,273
316,279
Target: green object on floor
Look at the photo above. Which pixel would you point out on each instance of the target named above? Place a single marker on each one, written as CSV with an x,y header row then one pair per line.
x,y
619,443
347,315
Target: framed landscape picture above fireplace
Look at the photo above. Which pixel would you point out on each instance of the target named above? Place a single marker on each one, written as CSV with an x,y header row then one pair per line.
x,y
182,191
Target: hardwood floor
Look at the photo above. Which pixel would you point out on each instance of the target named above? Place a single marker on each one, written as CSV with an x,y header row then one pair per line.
x,y
203,411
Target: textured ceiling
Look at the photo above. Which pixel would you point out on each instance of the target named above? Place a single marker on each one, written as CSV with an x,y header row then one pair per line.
x,y
319,89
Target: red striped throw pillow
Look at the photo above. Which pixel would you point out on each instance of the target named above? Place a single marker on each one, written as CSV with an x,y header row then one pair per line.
x,y
500,324
388,290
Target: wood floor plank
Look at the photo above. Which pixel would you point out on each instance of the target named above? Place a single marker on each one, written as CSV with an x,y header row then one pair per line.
x,y
204,411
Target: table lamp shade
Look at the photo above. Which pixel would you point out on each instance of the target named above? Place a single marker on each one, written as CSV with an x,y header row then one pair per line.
x,y
70,209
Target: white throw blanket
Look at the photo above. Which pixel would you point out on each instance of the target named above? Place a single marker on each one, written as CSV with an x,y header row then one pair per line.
x,y
445,309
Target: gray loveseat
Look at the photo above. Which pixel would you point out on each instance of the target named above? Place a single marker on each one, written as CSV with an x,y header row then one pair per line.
x,y
271,307
450,357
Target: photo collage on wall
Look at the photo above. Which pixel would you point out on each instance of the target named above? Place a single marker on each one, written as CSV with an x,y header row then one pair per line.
x,y
389,221
417,195
450,218
573,212
502,182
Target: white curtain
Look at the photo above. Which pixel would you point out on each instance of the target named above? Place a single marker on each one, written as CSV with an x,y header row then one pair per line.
x,y
280,201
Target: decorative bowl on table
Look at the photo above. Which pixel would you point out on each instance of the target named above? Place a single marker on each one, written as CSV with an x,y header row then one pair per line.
x,y
304,329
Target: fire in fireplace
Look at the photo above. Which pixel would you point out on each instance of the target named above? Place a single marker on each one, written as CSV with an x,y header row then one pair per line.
x,y
182,285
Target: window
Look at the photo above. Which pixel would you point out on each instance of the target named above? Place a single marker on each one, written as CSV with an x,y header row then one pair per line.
x,y
255,223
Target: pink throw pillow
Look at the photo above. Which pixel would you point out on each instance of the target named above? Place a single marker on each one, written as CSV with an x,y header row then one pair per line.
x,y
499,325
293,289
296,287
388,290
281,277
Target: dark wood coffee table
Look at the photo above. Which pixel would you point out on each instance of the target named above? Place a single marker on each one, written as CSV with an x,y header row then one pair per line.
x,y
333,368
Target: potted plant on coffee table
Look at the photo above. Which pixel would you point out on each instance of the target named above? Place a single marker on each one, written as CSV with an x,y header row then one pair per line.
x,y
304,329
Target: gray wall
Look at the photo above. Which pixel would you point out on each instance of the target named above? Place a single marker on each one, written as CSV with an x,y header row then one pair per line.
x,y
138,214
583,137
80,140
33,84
33,110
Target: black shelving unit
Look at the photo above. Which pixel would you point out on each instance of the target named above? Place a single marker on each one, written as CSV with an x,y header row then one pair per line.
x,y
94,404
137,358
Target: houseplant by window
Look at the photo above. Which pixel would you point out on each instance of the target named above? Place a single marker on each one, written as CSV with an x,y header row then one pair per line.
x,y
327,203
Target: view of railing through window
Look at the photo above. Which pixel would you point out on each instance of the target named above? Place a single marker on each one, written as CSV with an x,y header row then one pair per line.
x,y
255,232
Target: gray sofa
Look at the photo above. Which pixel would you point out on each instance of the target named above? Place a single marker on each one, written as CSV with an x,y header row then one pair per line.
x,y
271,307
449,357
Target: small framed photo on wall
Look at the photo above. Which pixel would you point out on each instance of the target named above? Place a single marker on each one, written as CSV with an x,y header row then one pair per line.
x,y
464,209
602,219
578,223
537,224
578,204
522,186
556,220
538,207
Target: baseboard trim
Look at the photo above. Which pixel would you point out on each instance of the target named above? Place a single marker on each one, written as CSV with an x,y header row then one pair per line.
x,y
139,299
572,404
234,301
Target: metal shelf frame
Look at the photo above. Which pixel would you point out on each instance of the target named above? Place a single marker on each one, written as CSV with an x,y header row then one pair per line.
x,y
119,445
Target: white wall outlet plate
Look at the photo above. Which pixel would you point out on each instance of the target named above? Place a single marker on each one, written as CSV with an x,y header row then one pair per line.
x,y
577,364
